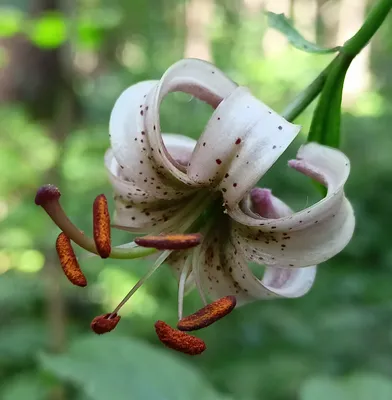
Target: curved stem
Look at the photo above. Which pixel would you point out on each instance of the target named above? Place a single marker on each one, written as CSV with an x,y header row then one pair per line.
x,y
373,21
347,52
306,97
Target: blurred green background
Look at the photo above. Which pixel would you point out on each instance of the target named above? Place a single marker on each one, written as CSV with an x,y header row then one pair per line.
x,y
63,64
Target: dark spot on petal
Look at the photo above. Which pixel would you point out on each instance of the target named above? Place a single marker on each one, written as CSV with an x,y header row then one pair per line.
x,y
238,141
234,184
280,127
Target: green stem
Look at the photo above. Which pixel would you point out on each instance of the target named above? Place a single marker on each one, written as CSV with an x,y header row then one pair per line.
x,y
128,254
306,97
373,21
348,52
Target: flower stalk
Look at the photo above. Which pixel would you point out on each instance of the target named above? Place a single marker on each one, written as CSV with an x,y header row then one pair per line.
x,y
347,53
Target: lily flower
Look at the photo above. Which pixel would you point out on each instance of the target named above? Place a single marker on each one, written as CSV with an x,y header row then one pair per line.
x,y
170,184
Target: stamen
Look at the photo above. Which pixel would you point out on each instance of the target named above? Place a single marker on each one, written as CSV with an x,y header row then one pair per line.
x,y
101,224
181,286
48,198
105,323
178,340
170,242
157,264
208,314
196,274
68,261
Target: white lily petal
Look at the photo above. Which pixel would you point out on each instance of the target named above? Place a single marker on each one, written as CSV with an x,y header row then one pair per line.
x,y
215,277
131,145
179,147
312,235
138,210
276,282
196,77
242,140
145,218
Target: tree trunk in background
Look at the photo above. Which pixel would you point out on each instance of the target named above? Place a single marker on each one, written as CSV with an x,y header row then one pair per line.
x,y
40,80
34,76
199,15
274,42
305,14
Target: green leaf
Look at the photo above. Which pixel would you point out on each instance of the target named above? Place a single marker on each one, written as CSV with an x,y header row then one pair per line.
x,y
357,387
48,31
11,21
284,25
115,367
25,386
20,340
325,126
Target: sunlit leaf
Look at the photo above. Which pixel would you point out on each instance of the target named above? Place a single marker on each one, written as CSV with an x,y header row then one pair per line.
x,y
114,367
48,31
284,25
11,21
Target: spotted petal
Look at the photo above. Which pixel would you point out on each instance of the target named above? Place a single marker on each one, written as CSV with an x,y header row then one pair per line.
x,y
144,209
135,122
312,235
222,267
242,140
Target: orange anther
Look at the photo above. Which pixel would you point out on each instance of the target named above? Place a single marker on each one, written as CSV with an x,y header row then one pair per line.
x,y
171,241
178,340
101,224
68,261
103,324
208,314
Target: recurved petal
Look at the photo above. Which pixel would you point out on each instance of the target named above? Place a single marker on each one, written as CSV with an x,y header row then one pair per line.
x,y
222,269
242,140
312,235
276,281
132,147
139,210
196,77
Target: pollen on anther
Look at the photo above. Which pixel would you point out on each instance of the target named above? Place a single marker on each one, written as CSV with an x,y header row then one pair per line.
x,y
238,141
105,323
218,161
208,314
178,340
101,225
170,242
68,261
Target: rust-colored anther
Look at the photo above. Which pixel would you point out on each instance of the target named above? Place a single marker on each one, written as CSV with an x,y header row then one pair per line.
x,y
171,241
47,193
208,314
101,224
103,324
178,340
68,261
